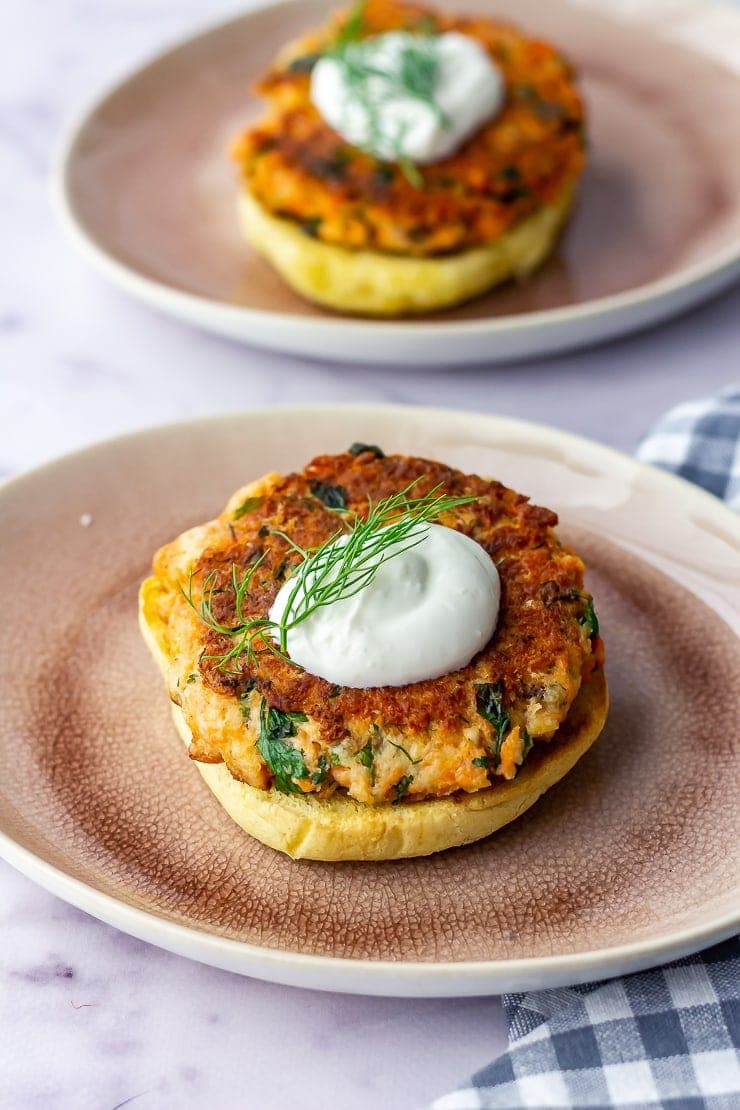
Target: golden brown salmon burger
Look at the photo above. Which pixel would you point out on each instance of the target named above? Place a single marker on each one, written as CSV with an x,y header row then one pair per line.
x,y
410,160
377,657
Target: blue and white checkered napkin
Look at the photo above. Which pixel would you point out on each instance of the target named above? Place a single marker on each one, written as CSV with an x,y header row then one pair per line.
x,y
700,441
663,1038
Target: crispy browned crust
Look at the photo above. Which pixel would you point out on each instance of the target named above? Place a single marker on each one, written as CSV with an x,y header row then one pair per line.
x,y
298,167
539,653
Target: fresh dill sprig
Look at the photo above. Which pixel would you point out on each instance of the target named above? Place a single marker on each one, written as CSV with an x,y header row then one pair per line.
x,y
411,173
418,72
353,26
337,571
332,572
415,78
248,633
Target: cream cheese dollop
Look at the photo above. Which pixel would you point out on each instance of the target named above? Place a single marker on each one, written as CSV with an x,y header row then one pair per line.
x,y
366,92
428,610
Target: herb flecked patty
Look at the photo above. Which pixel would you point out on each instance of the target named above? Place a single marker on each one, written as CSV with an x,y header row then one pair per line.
x,y
522,161
274,725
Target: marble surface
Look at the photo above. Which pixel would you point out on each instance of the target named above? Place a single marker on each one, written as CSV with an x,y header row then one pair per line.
x,y
89,1017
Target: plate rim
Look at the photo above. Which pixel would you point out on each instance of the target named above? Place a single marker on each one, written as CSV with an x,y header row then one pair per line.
x,y
716,272
403,978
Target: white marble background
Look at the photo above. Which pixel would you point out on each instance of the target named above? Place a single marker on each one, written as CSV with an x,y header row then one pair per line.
x,y
89,1017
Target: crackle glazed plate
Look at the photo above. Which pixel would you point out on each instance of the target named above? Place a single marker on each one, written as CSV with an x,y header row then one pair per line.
x,y
627,862
147,190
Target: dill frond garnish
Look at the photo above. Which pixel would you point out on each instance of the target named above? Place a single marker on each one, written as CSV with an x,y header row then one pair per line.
x,y
419,69
353,26
416,76
248,633
335,571
373,84
411,173
247,506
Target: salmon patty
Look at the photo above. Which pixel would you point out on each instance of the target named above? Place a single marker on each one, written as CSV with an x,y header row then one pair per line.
x,y
275,725
525,159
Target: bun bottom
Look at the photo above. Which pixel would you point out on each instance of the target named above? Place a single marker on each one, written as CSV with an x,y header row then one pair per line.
x,y
339,828
375,284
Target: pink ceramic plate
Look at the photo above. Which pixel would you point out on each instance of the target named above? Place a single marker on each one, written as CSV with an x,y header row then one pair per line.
x,y
147,190
630,860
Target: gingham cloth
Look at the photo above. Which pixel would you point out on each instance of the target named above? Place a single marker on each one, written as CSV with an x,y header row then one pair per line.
x,y
701,441
663,1038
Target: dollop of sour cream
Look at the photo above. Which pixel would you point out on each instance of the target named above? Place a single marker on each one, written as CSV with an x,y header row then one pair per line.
x,y
427,611
401,96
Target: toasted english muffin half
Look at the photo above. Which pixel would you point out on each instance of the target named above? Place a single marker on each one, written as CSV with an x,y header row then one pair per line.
x,y
372,283
340,828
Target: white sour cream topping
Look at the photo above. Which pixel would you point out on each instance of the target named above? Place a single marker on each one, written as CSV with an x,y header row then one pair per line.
x,y
375,111
426,613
